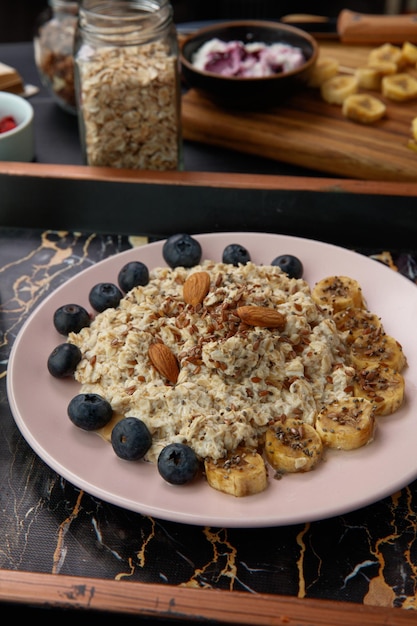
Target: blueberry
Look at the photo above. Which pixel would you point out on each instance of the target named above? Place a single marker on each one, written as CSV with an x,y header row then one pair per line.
x,y
131,439
63,360
177,463
181,250
71,318
133,274
289,264
235,254
104,296
89,411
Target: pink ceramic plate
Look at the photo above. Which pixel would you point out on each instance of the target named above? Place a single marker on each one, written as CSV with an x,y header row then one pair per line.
x,y
344,482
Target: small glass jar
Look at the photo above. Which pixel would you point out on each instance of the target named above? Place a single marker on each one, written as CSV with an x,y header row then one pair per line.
x,y
127,84
53,46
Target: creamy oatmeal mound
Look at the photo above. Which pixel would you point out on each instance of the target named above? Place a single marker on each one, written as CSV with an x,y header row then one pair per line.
x,y
234,377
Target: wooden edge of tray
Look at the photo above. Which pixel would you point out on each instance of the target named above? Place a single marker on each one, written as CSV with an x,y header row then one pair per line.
x,y
350,213
216,179
182,603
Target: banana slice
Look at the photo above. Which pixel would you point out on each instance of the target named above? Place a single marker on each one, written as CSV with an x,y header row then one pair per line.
x,y
336,89
384,68
292,446
399,87
363,108
347,424
386,53
242,473
338,292
412,143
325,68
354,322
382,386
377,348
369,78
409,53
414,128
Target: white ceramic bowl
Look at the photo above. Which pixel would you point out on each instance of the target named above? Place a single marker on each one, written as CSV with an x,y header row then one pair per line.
x,y
17,144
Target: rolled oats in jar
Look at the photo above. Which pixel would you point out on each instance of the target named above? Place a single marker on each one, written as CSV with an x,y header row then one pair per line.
x,y
54,51
128,85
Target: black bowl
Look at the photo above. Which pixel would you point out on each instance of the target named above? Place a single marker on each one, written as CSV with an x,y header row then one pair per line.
x,y
248,93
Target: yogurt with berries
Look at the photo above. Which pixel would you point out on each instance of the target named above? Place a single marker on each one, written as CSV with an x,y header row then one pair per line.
x,y
251,60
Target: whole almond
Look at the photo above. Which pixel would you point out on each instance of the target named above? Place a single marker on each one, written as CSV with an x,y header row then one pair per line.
x,y
261,316
196,287
164,360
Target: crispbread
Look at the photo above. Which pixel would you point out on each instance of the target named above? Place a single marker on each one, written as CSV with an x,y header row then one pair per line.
x,y
10,79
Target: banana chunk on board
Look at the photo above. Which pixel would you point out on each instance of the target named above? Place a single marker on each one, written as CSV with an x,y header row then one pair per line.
x,y
409,52
338,292
335,90
347,424
325,68
382,386
363,108
400,87
369,78
414,128
293,446
384,68
386,53
412,144
242,473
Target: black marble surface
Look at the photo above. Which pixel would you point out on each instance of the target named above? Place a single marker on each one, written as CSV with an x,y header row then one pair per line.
x,y
48,525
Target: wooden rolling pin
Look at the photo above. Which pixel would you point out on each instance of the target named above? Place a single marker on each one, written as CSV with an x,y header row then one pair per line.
x,y
359,28
376,29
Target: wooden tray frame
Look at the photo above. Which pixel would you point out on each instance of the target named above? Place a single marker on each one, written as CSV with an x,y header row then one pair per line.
x,y
181,604
341,211
345,212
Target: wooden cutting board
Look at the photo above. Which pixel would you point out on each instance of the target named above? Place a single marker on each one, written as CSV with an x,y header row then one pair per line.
x,y
308,132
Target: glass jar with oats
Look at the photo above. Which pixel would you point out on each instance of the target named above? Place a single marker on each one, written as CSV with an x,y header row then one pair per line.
x,y
53,47
127,83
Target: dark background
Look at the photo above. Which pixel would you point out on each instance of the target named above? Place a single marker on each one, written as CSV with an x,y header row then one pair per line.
x,y
18,17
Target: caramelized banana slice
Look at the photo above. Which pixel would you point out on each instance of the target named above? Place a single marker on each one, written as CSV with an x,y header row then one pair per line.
x,y
242,473
380,348
339,292
363,108
355,321
399,87
382,386
292,446
325,68
347,424
336,89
